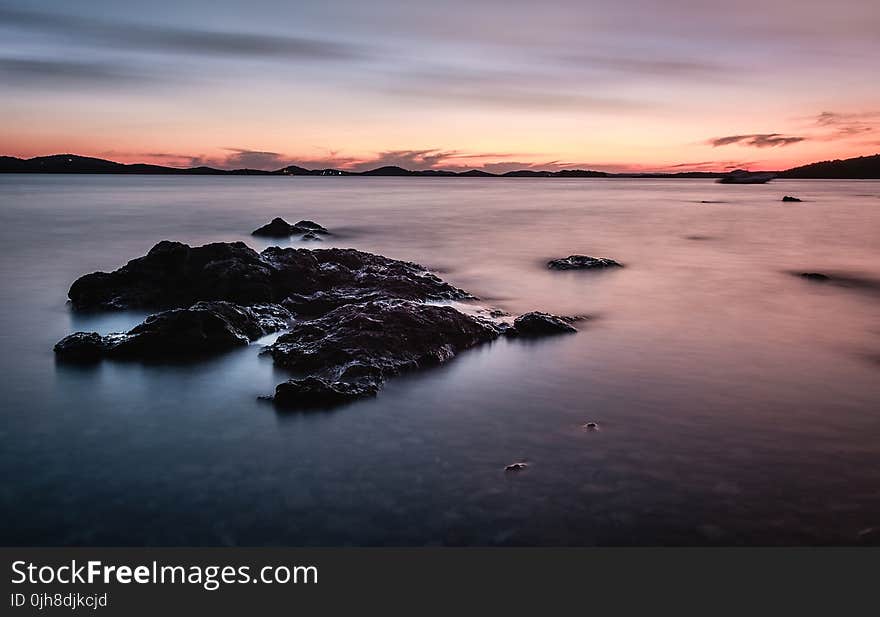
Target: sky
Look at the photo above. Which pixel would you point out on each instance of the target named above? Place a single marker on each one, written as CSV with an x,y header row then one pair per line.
x,y
615,85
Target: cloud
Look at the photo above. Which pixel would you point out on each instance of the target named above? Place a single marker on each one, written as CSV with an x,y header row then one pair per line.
x,y
644,66
707,166
40,71
154,38
847,125
757,140
501,88
255,159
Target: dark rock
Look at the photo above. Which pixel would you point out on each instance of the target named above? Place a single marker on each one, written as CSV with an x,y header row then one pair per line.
x,y
204,328
353,349
276,228
582,262
591,426
321,302
848,280
344,276
516,467
790,198
313,392
279,228
310,236
176,275
309,227
81,347
540,324
815,276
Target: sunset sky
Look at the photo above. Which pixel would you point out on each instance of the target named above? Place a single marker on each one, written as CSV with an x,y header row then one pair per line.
x,y
495,84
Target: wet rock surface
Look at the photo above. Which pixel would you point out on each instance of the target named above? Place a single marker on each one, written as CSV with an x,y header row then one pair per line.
x,y
202,329
175,275
582,262
540,324
279,228
315,392
353,349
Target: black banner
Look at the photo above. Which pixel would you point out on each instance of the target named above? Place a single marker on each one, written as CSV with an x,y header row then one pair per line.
x,y
181,581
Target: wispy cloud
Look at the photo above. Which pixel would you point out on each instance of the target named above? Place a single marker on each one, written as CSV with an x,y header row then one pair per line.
x,y
40,71
655,66
847,125
164,39
757,140
503,88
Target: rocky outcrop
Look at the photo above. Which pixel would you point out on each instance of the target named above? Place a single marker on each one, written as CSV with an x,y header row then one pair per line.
x,y
175,275
353,349
540,324
202,329
790,199
359,318
279,228
582,262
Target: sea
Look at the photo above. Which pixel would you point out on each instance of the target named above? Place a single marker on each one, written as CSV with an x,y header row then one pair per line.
x,y
737,402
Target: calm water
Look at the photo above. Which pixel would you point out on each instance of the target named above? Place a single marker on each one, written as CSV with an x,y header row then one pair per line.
x,y
738,404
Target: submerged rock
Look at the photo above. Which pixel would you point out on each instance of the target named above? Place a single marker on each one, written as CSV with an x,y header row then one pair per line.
x,y
353,349
582,262
540,324
279,228
790,198
204,328
174,275
516,467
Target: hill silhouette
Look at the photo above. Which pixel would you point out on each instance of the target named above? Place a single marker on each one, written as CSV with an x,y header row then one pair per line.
x,y
862,167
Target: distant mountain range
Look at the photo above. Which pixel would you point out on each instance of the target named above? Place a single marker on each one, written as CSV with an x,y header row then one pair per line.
x,y
863,167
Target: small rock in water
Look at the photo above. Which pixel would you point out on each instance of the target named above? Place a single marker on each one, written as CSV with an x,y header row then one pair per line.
x,y
540,324
279,228
591,426
582,262
790,198
516,467
309,226
312,392
815,276
276,228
